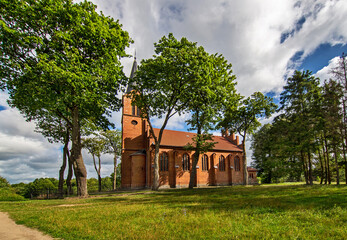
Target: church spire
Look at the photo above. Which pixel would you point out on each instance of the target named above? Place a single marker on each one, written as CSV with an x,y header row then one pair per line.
x,y
132,74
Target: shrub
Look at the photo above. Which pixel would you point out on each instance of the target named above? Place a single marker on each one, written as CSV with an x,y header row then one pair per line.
x,y
8,194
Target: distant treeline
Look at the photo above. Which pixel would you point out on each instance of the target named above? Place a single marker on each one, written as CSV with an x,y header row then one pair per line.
x,y
308,139
46,188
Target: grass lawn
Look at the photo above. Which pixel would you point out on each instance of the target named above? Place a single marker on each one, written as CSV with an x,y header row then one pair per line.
x,y
238,212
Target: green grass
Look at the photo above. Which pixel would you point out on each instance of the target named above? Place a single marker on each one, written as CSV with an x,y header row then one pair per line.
x,y
258,212
8,194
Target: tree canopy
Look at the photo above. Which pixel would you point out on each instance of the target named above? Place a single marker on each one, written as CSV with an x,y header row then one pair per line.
x,y
62,58
244,119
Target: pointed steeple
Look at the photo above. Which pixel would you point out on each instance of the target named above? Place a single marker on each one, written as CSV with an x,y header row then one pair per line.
x,y
132,74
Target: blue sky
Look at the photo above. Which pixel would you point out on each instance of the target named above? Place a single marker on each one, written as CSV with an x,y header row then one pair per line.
x,y
321,57
264,40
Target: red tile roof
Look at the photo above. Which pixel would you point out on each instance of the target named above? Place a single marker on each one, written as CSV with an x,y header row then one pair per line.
x,y
179,139
250,169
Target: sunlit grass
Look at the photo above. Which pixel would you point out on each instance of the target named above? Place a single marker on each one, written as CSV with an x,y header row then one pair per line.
x,y
258,212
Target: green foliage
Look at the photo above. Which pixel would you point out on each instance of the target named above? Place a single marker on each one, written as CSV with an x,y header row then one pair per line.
x,y
306,137
180,78
106,184
113,141
267,212
93,185
19,188
94,145
4,183
118,175
162,82
9,194
244,119
62,59
61,54
41,186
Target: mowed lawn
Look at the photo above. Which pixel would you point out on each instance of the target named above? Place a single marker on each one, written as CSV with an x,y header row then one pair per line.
x,y
237,212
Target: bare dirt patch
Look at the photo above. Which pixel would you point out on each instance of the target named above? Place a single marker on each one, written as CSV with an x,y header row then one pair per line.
x,y
9,230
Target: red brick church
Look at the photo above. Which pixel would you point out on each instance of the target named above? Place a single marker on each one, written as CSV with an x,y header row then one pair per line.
x,y
221,166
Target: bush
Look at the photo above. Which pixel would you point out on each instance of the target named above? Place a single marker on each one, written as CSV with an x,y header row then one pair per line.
x,y
8,194
4,182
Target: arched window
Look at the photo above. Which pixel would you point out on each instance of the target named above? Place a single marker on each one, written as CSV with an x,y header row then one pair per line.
x,y
164,162
138,111
237,163
185,162
221,163
204,161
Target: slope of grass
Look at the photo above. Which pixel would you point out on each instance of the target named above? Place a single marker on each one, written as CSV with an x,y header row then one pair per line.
x,y
9,194
260,212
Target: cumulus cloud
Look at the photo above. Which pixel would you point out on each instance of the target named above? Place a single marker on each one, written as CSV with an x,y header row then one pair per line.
x,y
325,72
260,38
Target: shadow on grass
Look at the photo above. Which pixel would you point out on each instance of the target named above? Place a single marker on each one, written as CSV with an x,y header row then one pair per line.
x,y
260,199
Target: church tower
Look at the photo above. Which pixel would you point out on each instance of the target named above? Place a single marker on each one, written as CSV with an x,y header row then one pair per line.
x,y
133,168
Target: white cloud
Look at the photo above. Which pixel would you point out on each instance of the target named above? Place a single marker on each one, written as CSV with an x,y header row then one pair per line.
x,y
248,33
325,72
176,122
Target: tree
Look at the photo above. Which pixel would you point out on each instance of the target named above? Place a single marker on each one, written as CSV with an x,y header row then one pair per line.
x,y
340,75
113,145
273,153
333,120
95,146
4,183
244,119
211,85
57,130
62,58
299,101
41,186
161,84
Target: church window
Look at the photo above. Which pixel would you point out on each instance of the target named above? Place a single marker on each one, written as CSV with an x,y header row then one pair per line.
x,y
221,163
185,162
237,163
134,122
133,110
164,162
204,161
138,111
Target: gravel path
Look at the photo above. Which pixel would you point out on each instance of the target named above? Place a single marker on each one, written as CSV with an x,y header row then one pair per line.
x,y
9,230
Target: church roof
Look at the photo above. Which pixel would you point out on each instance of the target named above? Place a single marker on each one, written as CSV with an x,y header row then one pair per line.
x,y
132,75
250,169
180,139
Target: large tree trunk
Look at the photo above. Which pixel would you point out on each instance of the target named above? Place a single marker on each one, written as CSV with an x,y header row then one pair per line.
x,y
344,155
69,176
155,185
327,156
325,164
97,171
337,166
245,172
76,155
115,172
321,167
99,174
61,172
192,179
310,167
63,167
302,156
195,160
